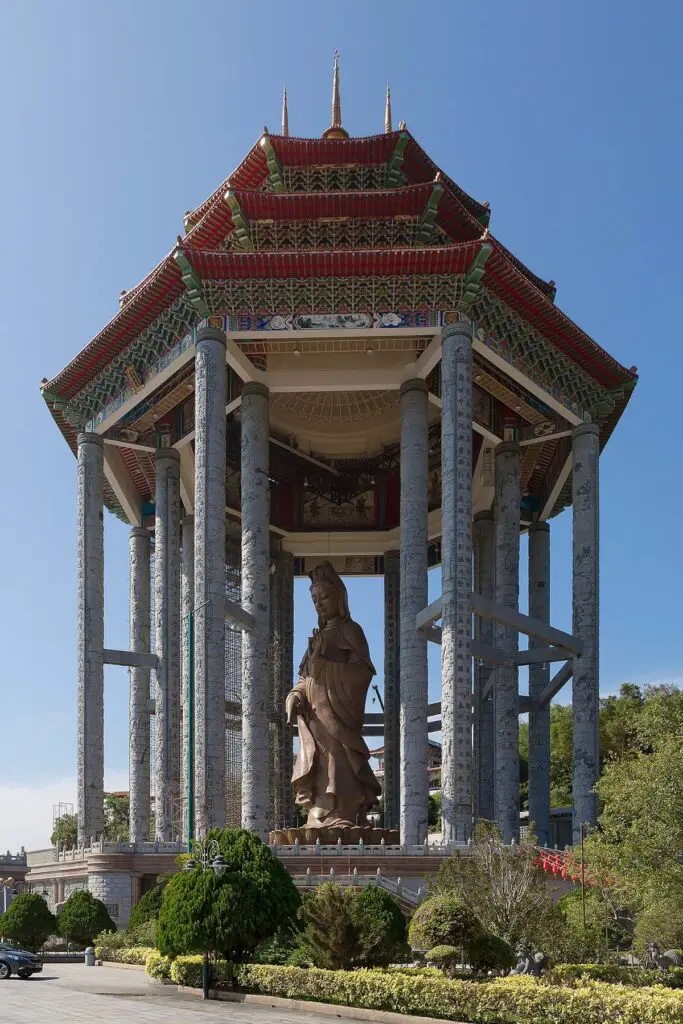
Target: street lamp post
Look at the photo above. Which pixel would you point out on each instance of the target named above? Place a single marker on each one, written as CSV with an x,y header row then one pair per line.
x,y
206,855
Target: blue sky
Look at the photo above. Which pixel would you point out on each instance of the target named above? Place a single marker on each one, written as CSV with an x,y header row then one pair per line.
x,y
119,116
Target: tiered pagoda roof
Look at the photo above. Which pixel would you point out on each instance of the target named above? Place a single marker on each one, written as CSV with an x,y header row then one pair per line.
x,y
339,225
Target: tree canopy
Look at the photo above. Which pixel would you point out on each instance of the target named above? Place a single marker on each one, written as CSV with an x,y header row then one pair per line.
x,y
346,928
82,917
231,914
632,722
28,921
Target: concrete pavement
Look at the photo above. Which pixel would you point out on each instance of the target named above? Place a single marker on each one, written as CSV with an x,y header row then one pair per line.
x,y
75,994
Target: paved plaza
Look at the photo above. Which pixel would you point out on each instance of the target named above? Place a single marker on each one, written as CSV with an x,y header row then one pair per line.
x,y
73,993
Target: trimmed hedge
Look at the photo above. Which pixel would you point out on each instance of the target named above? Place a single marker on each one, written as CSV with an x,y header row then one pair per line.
x,y
187,970
516,1000
131,955
614,974
159,966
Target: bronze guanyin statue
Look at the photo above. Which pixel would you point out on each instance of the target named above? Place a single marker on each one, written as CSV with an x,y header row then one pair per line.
x,y
332,779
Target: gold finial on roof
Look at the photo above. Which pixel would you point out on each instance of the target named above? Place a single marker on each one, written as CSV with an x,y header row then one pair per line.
x,y
285,113
387,112
335,131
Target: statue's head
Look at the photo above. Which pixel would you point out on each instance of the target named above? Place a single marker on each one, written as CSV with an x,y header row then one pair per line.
x,y
328,593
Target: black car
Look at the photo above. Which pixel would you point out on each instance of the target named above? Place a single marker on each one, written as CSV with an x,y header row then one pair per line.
x,y
18,961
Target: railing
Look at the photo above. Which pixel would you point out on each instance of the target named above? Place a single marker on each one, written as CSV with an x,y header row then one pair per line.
x,y
99,847
13,859
396,888
361,849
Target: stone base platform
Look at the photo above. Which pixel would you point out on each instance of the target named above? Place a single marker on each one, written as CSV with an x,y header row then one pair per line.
x,y
348,835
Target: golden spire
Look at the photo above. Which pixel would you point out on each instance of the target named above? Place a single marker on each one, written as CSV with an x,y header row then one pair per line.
x,y
336,97
387,112
285,113
335,131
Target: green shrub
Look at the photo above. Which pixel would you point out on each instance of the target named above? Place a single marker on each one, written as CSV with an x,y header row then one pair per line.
x,y
613,974
28,921
488,952
442,920
158,966
148,907
380,926
82,917
660,922
232,914
503,1001
347,928
130,955
187,971
446,958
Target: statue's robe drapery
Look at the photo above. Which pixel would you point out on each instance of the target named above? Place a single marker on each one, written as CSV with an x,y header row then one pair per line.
x,y
332,776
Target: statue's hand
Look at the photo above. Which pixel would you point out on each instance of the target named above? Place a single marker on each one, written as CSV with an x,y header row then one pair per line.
x,y
295,706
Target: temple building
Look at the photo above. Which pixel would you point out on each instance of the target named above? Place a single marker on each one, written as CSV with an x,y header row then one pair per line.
x,y
337,360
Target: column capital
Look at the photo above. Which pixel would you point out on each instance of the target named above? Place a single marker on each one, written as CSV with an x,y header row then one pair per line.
x,y
172,454
140,531
507,448
585,428
211,334
540,526
89,437
458,332
254,387
414,384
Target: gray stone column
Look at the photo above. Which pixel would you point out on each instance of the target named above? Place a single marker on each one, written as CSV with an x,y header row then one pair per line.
x,y
281,682
505,695
209,580
456,581
186,694
167,644
586,600
413,576
90,658
392,662
139,718
484,734
255,600
539,677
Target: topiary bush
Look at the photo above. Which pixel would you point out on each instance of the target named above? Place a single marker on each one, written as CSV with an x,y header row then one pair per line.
x,y
446,958
442,920
28,921
488,952
82,918
233,914
380,926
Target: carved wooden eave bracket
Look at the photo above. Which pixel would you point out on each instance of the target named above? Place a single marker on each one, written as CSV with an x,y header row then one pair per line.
x,y
193,285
